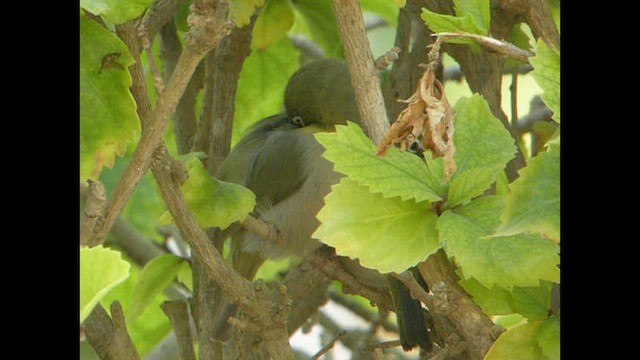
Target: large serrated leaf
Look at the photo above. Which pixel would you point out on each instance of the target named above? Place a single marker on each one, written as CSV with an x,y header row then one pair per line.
x,y
481,139
214,203
479,9
549,338
546,72
533,204
116,11
273,23
101,269
517,343
261,86
397,174
241,10
532,302
364,225
507,261
470,184
153,279
108,118
492,301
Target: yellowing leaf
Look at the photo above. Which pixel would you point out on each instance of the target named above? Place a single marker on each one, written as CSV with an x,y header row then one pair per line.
x,y
116,11
108,118
101,269
214,203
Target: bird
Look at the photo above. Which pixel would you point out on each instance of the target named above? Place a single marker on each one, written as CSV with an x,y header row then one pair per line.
x,y
281,162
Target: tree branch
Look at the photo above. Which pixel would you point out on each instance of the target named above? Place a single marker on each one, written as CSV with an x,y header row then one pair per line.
x,y
178,314
159,14
208,25
95,201
263,310
108,338
359,310
184,119
451,302
325,349
364,76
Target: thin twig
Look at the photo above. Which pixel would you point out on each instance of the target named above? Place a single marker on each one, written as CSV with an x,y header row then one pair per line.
x,y
325,349
359,310
239,289
364,76
208,26
266,231
155,72
513,88
492,45
386,59
307,47
160,13
383,345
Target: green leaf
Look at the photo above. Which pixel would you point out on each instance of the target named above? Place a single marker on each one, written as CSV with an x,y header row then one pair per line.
x,y
532,302
479,9
439,23
116,11
214,203
154,278
273,23
469,184
517,343
317,22
148,329
364,225
493,301
185,275
401,3
101,269
108,118
261,85
549,338
533,204
387,9
397,174
241,10
507,261
481,139
509,321
546,72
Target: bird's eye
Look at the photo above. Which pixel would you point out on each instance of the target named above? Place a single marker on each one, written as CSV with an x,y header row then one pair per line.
x,y
298,121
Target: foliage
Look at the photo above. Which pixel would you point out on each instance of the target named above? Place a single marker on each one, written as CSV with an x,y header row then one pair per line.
x,y
503,237
101,269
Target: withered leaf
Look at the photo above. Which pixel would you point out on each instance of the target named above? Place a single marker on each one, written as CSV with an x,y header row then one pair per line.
x,y
429,115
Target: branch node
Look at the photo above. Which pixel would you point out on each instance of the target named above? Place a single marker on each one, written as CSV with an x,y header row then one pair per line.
x,y
387,59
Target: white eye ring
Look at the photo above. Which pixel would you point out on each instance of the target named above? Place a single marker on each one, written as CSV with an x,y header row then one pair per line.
x,y
298,121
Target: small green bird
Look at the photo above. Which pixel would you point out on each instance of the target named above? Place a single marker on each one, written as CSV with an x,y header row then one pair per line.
x,y
280,161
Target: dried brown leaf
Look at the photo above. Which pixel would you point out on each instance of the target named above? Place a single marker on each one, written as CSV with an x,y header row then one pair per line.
x,y
429,115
